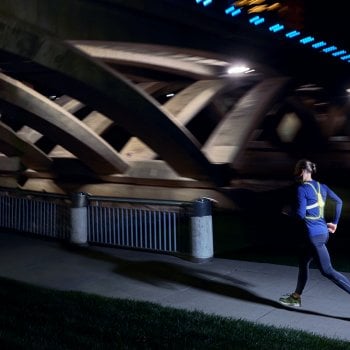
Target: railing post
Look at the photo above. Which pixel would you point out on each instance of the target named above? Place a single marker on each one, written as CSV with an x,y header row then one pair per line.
x,y
202,230
78,234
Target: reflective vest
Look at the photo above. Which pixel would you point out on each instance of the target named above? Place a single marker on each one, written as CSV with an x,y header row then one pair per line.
x,y
320,202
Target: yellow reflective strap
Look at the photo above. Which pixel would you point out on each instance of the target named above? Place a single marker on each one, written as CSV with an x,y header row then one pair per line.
x,y
320,202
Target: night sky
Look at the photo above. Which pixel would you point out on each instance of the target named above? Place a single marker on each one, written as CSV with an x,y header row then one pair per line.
x,y
329,20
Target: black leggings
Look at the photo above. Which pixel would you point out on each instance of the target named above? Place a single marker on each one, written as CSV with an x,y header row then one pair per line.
x,y
316,248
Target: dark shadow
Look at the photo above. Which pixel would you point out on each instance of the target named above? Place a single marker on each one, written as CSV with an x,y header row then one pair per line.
x,y
161,273
264,217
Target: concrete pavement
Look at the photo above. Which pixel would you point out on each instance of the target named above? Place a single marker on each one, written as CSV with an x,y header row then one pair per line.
x,y
229,288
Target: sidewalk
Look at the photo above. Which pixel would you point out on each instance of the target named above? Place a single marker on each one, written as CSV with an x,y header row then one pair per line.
x,y
230,288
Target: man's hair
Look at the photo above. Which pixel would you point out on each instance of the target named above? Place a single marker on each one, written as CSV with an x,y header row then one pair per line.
x,y
304,164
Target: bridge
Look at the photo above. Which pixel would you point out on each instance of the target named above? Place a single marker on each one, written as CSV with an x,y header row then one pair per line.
x,y
140,99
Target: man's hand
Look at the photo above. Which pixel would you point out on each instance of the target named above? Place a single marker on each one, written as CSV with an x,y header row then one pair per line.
x,y
331,227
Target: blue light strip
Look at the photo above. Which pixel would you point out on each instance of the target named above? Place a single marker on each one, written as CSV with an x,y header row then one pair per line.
x,y
292,33
307,39
230,9
254,19
339,53
346,57
276,28
319,44
204,2
330,49
236,12
257,20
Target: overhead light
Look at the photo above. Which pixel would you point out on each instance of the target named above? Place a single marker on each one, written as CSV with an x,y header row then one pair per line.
x,y
239,69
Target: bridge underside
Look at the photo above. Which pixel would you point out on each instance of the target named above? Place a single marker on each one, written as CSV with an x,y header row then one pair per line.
x,y
143,114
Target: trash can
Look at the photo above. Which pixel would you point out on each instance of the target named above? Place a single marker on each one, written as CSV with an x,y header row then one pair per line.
x,y
202,248
78,233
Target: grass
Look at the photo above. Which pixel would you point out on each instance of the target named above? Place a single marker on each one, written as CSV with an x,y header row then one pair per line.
x,y
39,318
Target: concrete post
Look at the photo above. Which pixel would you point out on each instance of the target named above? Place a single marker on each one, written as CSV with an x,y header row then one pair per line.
x,y
202,230
78,234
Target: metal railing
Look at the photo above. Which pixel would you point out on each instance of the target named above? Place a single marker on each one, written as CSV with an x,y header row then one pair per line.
x,y
133,227
134,223
40,214
121,222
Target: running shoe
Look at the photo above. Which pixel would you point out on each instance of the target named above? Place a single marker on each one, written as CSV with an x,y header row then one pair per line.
x,y
290,300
